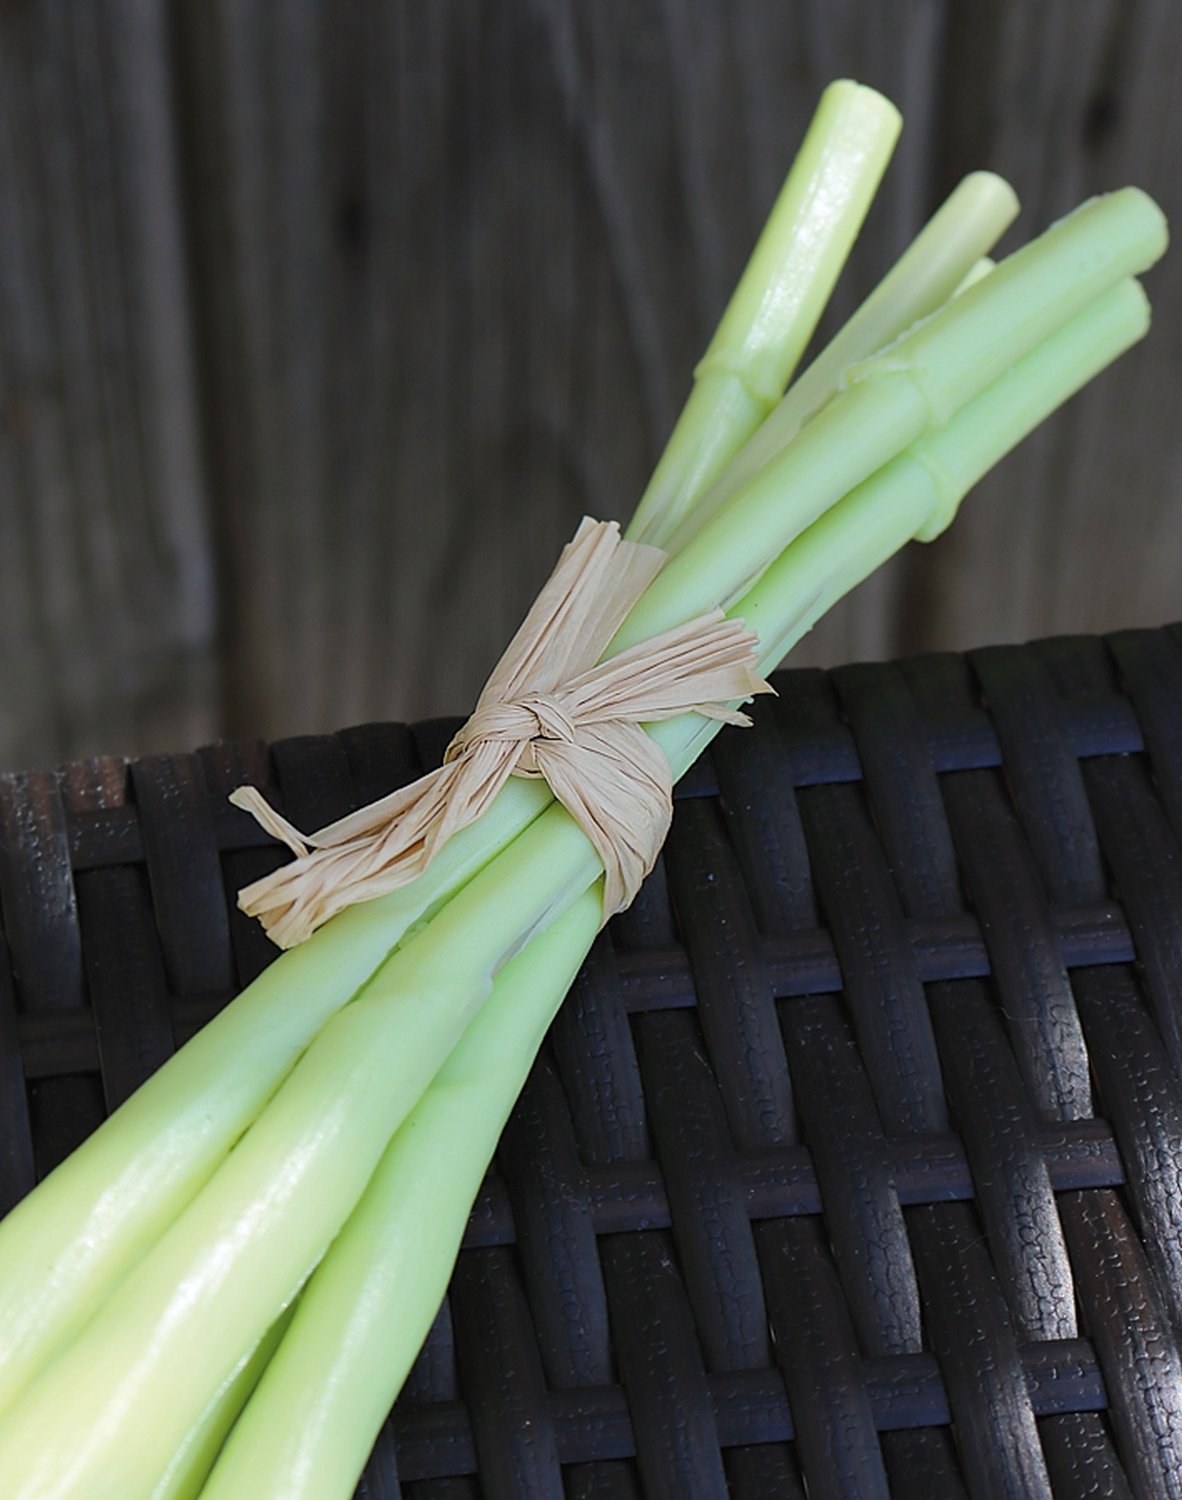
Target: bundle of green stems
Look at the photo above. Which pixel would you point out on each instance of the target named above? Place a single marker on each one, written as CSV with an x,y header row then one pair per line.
x,y
222,1291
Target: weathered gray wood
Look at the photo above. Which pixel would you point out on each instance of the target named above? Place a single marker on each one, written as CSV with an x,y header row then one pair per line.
x,y
444,270
106,572
1081,528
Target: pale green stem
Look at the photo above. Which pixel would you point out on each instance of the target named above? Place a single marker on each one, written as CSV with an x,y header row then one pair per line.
x,y
928,273
917,495
189,1467
1024,299
104,1418
86,1225
976,273
366,1308
778,301
893,398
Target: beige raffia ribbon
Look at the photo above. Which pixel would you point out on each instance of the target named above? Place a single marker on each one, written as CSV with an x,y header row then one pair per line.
x,y
550,709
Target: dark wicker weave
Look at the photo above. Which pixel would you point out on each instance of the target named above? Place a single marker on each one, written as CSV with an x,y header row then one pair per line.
x,y
853,1163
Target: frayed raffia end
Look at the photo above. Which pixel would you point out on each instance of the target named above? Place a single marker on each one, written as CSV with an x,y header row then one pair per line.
x,y
550,709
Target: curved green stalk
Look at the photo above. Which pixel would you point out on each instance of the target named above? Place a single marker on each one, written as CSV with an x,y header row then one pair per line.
x,y
103,1419
65,1245
778,301
367,1307
976,273
188,1470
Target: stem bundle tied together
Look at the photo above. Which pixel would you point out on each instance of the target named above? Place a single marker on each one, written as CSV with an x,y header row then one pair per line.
x,y
221,1292
550,709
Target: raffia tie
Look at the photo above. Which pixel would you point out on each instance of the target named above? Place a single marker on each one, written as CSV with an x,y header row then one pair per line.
x,y
549,709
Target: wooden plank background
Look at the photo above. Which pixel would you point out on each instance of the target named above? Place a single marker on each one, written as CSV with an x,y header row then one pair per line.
x,y
321,324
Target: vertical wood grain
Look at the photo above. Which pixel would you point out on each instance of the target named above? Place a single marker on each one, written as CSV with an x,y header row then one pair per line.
x,y
106,571
1081,528
442,272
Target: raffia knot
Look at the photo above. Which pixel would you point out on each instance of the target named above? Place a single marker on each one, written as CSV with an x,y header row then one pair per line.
x,y
551,708
519,721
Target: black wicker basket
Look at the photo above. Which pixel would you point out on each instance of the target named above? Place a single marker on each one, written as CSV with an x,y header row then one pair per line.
x,y
852,1165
